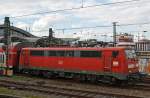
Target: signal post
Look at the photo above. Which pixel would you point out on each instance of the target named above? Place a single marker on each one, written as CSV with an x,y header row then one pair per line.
x,y
7,43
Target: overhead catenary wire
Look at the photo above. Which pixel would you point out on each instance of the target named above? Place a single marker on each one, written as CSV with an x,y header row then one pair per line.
x,y
76,28
90,27
132,24
77,8
113,3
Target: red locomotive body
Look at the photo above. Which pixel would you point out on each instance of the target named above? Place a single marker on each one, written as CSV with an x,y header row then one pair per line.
x,y
115,63
13,58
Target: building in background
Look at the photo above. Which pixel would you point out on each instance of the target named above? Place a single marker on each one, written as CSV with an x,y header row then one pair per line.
x,y
125,40
142,48
143,45
17,35
143,52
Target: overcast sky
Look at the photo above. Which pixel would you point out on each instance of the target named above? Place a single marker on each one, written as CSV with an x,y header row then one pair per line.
x,y
126,13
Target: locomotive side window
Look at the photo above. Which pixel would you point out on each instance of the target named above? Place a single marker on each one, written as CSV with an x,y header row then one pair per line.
x,y
90,53
37,53
51,53
60,53
76,53
115,54
69,53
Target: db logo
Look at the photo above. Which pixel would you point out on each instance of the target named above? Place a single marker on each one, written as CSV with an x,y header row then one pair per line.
x,y
60,62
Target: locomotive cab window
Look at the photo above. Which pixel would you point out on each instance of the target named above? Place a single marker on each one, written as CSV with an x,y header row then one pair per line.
x,y
37,53
130,54
115,54
90,53
1,58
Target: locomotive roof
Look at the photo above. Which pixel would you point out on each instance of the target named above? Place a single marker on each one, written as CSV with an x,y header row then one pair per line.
x,y
75,48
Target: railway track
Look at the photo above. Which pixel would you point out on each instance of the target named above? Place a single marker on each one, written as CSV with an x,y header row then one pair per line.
x,y
8,96
144,87
147,80
61,91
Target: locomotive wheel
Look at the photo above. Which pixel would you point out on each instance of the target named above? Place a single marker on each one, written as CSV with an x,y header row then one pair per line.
x,y
92,78
118,82
47,74
83,78
35,73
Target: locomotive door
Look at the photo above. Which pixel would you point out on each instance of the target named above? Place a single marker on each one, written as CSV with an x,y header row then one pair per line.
x,y
107,61
26,58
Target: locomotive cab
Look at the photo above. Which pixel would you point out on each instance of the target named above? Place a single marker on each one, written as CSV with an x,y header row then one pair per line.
x,y
132,65
132,61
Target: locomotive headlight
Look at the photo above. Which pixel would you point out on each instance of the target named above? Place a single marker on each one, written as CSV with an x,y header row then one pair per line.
x,y
131,66
137,65
130,71
115,63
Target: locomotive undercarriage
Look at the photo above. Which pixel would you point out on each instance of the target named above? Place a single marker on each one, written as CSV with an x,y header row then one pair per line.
x,y
83,77
138,77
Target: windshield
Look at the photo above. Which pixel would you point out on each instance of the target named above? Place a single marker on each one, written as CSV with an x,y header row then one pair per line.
x,y
130,54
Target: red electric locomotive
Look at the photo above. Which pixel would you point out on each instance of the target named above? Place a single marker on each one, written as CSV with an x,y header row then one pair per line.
x,y
7,65
109,64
